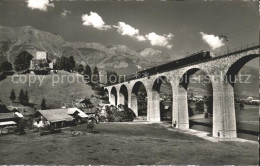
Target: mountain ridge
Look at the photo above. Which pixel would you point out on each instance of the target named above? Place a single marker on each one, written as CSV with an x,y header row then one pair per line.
x,y
117,58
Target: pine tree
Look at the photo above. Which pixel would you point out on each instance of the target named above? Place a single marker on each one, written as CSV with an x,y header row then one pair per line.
x,y
87,74
6,66
26,98
21,96
95,75
12,96
43,104
79,68
72,62
22,61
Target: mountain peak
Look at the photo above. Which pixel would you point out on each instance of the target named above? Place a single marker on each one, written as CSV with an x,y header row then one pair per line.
x,y
27,27
150,52
119,47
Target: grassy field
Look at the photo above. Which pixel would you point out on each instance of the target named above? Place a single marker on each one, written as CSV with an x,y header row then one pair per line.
x,y
119,144
56,89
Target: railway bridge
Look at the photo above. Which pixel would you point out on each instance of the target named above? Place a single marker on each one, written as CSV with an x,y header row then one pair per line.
x,y
221,71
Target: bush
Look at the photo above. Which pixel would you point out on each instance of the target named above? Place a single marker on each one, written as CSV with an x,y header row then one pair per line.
x,y
42,72
113,115
102,119
90,126
21,126
206,115
128,115
200,106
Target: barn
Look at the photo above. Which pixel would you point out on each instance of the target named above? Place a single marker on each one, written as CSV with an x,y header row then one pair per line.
x,y
55,117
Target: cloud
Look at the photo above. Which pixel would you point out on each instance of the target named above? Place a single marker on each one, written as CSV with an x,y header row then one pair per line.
x,y
213,41
39,4
94,20
65,12
124,29
127,30
160,40
140,38
155,40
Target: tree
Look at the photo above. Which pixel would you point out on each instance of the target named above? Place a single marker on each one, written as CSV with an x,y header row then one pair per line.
x,y
41,65
72,62
87,73
79,68
22,61
43,104
6,66
21,96
90,126
62,63
209,103
3,108
46,64
21,126
12,96
26,98
95,75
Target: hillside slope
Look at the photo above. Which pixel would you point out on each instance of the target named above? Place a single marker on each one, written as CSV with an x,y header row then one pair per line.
x,y
55,96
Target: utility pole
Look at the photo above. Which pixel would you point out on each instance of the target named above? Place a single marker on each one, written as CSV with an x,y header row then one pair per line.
x,y
226,37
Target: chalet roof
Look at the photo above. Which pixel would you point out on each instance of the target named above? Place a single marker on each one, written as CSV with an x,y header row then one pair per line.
x,y
80,113
8,123
7,115
80,100
56,115
83,100
23,110
32,52
89,110
79,103
10,115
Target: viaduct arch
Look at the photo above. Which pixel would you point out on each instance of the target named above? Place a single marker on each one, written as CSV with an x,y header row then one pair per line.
x,y
217,68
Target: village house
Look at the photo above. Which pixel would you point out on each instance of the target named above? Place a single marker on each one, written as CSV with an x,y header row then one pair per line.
x,y
39,61
53,117
60,117
8,121
24,110
82,104
78,115
27,112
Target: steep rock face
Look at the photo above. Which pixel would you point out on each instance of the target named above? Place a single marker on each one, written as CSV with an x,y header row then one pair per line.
x,y
119,58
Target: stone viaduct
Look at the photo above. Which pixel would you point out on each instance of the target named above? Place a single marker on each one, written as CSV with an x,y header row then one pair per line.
x,y
221,71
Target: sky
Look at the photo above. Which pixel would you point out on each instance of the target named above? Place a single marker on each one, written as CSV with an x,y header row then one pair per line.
x,y
174,27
